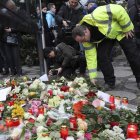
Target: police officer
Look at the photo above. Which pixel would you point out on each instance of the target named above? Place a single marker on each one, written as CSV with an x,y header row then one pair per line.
x,y
102,27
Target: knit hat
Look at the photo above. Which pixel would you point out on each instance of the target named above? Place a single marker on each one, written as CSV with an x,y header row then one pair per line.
x,y
47,50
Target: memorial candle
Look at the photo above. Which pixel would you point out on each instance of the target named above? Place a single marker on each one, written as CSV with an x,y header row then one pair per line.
x,y
73,123
64,132
112,107
112,99
15,121
8,122
132,131
41,110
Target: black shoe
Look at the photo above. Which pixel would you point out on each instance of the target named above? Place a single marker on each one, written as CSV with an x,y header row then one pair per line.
x,y
13,73
138,85
109,86
1,71
5,73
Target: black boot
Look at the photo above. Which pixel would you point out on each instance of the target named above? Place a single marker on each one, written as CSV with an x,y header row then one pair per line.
x,y
5,72
108,86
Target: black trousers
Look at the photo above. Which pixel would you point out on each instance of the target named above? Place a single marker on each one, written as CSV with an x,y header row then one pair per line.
x,y
13,57
131,51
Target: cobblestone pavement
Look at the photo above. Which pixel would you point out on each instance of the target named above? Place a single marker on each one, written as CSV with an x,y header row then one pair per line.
x,y
125,81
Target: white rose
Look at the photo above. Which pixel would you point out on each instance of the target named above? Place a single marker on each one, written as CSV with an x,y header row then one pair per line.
x,y
40,118
27,115
36,81
16,89
42,86
16,133
117,129
80,133
33,86
70,138
25,91
41,129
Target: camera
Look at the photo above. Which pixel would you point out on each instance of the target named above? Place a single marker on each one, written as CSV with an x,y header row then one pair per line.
x,y
54,71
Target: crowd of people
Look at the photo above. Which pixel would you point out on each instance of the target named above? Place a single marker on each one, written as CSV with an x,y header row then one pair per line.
x,y
80,37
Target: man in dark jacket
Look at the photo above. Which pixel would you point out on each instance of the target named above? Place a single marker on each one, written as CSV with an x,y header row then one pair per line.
x,y
67,59
69,14
134,13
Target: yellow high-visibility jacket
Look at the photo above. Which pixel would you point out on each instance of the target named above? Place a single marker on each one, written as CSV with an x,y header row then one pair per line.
x,y
113,21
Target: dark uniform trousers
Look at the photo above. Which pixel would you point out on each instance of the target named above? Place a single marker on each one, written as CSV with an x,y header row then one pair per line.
x,y
131,51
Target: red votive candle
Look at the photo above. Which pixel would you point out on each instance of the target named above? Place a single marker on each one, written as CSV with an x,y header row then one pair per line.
x,y
15,121
15,96
41,110
112,99
132,131
112,106
50,92
64,132
8,122
73,123
30,111
11,103
125,101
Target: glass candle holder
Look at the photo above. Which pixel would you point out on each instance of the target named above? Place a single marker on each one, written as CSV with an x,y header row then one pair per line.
x,y
125,101
41,110
64,132
15,121
112,107
8,122
73,123
112,99
132,131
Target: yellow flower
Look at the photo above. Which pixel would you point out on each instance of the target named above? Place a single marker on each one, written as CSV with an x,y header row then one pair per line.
x,y
17,111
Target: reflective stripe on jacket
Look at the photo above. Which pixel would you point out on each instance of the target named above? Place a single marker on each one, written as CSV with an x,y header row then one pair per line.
x,y
91,58
112,20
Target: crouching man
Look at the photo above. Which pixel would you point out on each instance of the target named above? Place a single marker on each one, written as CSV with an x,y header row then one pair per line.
x,y
66,60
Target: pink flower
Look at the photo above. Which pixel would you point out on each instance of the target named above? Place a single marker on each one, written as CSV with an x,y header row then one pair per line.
x,y
96,103
88,136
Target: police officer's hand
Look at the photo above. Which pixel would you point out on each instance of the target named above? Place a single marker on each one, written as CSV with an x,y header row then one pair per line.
x,y
129,34
59,70
93,81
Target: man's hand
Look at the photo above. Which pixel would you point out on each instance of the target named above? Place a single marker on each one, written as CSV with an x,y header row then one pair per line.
x,y
129,34
65,23
8,30
93,81
59,70
50,73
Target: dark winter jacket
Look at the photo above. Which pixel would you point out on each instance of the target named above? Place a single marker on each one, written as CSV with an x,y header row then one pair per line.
x,y
68,14
65,54
134,13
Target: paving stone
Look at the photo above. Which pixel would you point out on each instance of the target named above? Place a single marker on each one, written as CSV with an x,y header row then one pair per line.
x,y
122,68
129,95
122,73
118,73
100,75
132,79
132,86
